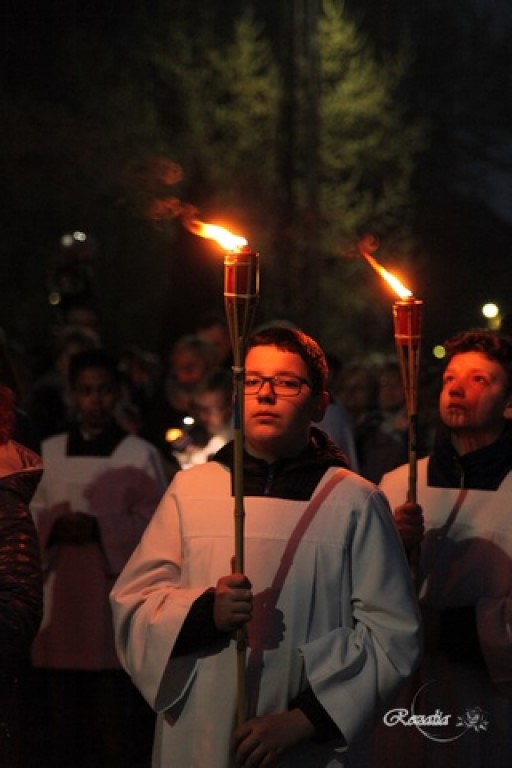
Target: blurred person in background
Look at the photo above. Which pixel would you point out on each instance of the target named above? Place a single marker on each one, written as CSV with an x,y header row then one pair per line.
x,y
24,428
382,435
336,422
212,407
358,391
170,425
51,406
213,327
80,312
21,598
99,491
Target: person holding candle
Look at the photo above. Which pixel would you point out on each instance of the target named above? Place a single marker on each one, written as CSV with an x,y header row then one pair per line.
x,y
461,539
332,629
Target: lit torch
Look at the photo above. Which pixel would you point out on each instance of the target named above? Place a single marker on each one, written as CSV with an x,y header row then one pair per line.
x,y
407,313
241,294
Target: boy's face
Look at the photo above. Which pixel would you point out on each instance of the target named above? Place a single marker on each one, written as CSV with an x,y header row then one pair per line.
x,y
95,395
277,427
473,398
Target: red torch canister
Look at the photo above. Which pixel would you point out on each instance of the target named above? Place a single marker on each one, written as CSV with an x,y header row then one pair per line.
x,y
407,326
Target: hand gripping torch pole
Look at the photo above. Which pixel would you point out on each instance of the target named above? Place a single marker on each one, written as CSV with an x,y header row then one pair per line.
x,y
241,293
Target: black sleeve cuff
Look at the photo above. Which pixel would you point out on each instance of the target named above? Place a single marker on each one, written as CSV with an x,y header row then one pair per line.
x,y
199,631
325,728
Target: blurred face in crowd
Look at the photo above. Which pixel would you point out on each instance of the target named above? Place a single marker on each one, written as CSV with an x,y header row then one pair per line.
x,y
358,391
391,393
213,411
95,395
188,368
218,336
473,400
85,317
277,426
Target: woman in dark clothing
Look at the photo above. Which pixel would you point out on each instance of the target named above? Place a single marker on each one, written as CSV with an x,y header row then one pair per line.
x,y
21,600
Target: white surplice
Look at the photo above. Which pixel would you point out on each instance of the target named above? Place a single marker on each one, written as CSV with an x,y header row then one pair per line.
x,y
344,621
121,491
466,560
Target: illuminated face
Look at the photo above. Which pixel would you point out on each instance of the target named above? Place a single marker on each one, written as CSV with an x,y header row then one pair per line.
x,y
277,427
95,396
473,399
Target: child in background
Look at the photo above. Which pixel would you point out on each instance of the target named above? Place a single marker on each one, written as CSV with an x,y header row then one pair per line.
x,y
99,490
212,406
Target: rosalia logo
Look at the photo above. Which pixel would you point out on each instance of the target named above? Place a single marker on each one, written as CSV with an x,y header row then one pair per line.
x,y
473,719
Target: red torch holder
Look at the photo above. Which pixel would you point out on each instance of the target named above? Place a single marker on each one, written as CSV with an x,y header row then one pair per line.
x,y
407,316
241,295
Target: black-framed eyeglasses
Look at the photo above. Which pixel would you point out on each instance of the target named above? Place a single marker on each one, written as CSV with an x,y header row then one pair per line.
x,y
282,385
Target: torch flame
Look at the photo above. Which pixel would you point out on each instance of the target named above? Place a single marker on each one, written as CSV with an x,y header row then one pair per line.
x,y
394,282
223,237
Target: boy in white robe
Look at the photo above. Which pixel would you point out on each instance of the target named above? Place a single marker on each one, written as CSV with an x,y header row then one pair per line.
x,y
461,540
99,489
327,600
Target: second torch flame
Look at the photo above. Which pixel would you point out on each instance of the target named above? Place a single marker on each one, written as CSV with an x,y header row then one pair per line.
x,y
407,313
401,291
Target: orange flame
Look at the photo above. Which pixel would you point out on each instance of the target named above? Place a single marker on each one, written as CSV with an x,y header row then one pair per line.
x,y
400,289
223,237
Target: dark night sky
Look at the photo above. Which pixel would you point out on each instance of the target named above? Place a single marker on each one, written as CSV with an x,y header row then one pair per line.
x,y
469,232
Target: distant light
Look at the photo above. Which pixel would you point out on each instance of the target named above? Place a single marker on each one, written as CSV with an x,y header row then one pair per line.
x,y
173,434
188,421
439,351
66,241
490,311
54,298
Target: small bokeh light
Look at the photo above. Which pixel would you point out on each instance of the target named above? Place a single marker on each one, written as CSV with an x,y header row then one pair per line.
x,y
439,352
173,434
69,239
492,314
490,310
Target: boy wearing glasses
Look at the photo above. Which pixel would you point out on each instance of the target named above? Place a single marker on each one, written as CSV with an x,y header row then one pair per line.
x,y
327,601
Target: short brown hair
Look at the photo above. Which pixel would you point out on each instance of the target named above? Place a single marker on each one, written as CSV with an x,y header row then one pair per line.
x,y
495,346
294,340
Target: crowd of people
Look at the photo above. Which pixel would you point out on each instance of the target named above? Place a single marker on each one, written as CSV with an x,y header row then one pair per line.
x,y
121,610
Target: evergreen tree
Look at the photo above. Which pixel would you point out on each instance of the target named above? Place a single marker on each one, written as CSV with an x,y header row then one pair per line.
x,y
352,174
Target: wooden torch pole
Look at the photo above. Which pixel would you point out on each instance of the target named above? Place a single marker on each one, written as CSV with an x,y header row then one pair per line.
x,y
241,293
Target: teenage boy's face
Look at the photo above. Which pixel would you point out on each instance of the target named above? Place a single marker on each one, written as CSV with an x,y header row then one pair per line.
x,y
474,397
277,427
95,396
